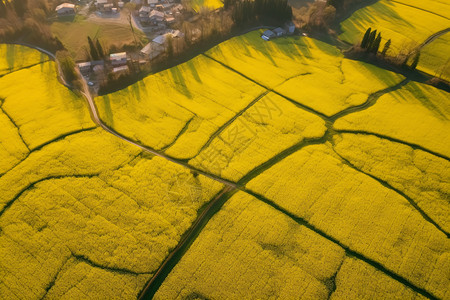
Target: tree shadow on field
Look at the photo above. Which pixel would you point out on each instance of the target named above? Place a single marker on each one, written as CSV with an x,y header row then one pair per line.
x,y
108,111
180,82
367,17
10,55
193,70
422,96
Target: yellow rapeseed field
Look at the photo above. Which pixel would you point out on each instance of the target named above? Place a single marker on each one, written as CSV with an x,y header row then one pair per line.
x,y
12,148
306,70
406,26
440,7
86,215
417,113
423,177
14,57
357,210
434,58
250,250
359,280
270,126
40,106
194,98
198,5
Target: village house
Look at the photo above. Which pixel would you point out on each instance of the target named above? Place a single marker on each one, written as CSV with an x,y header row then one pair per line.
x,y
121,69
153,3
267,35
290,27
100,3
144,13
156,16
65,9
118,59
84,67
279,31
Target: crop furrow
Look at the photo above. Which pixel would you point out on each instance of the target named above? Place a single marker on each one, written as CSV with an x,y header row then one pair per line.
x,y
381,136
112,269
15,125
371,100
31,185
422,9
53,281
26,67
182,131
61,137
282,155
304,107
229,122
349,252
390,187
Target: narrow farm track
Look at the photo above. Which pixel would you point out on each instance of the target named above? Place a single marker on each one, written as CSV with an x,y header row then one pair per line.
x,y
432,37
390,187
25,67
182,131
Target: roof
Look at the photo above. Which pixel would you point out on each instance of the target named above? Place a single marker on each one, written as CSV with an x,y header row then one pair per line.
x,y
156,13
84,64
147,48
102,1
119,69
65,5
116,56
160,39
268,33
145,9
279,30
152,1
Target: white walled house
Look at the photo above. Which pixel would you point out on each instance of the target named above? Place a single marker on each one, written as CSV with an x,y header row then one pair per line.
x,y
65,9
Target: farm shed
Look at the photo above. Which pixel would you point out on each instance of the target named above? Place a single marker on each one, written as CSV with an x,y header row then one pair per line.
x,y
267,35
279,31
65,9
118,59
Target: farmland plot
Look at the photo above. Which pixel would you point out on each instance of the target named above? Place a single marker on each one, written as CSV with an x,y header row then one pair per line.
x,y
270,126
316,185
305,70
434,58
180,107
41,107
250,248
15,57
406,26
423,177
416,114
84,215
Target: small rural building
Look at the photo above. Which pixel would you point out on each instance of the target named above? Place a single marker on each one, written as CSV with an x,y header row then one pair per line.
x,y
108,7
156,16
267,35
65,9
144,11
290,27
101,3
121,69
120,4
146,50
279,31
178,8
118,59
84,67
170,20
152,3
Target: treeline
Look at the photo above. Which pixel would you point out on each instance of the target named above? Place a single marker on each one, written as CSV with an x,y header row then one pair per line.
x,y
247,11
27,21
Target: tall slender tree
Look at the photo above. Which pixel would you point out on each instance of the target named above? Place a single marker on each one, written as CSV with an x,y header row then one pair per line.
x,y
99,47
365,39
386,47
92,49
415,61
